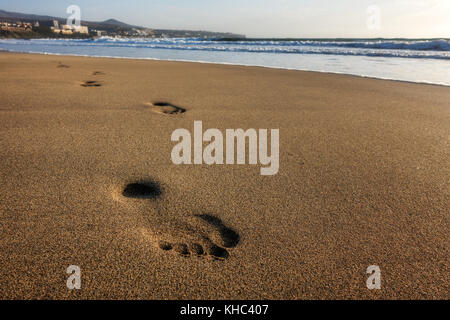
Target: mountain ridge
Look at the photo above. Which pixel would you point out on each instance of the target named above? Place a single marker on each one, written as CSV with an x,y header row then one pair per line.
x,y
118,23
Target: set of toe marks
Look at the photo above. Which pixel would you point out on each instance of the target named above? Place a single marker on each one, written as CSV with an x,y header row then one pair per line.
x,y
227,238
164,108
63,66
91,83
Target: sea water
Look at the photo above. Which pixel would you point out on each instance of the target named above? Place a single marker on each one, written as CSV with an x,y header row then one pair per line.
x,y
424,60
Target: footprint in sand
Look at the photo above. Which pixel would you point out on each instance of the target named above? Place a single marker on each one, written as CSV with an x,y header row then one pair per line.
x,y
199,235
142,190
91,83
194,235
165,108
98,73
60,65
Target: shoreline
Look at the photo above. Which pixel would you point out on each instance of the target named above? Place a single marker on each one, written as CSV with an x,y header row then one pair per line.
x,y
231,64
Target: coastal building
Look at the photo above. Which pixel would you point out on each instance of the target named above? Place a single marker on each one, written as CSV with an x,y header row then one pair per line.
x,y
66,29
16,27
81,29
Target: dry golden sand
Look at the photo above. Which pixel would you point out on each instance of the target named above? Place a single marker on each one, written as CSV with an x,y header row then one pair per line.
x,y
364,179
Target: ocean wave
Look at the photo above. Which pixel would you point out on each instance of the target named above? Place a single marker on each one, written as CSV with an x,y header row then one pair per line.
x,y
415,45
373,48
421,45
418,49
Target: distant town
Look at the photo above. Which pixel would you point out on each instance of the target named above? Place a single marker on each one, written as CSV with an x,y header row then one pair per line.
x,y
60,29
28,26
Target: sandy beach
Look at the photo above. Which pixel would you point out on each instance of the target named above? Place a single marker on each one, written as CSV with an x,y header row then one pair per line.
x,y
363,180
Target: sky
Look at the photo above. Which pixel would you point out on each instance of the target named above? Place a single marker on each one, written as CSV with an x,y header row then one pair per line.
x,y
265,18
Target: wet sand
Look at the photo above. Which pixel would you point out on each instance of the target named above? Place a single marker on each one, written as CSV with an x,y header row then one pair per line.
x,y
87,180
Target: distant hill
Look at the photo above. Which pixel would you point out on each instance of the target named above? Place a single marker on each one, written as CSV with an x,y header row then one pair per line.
x,y
118,23
113,26
23,16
